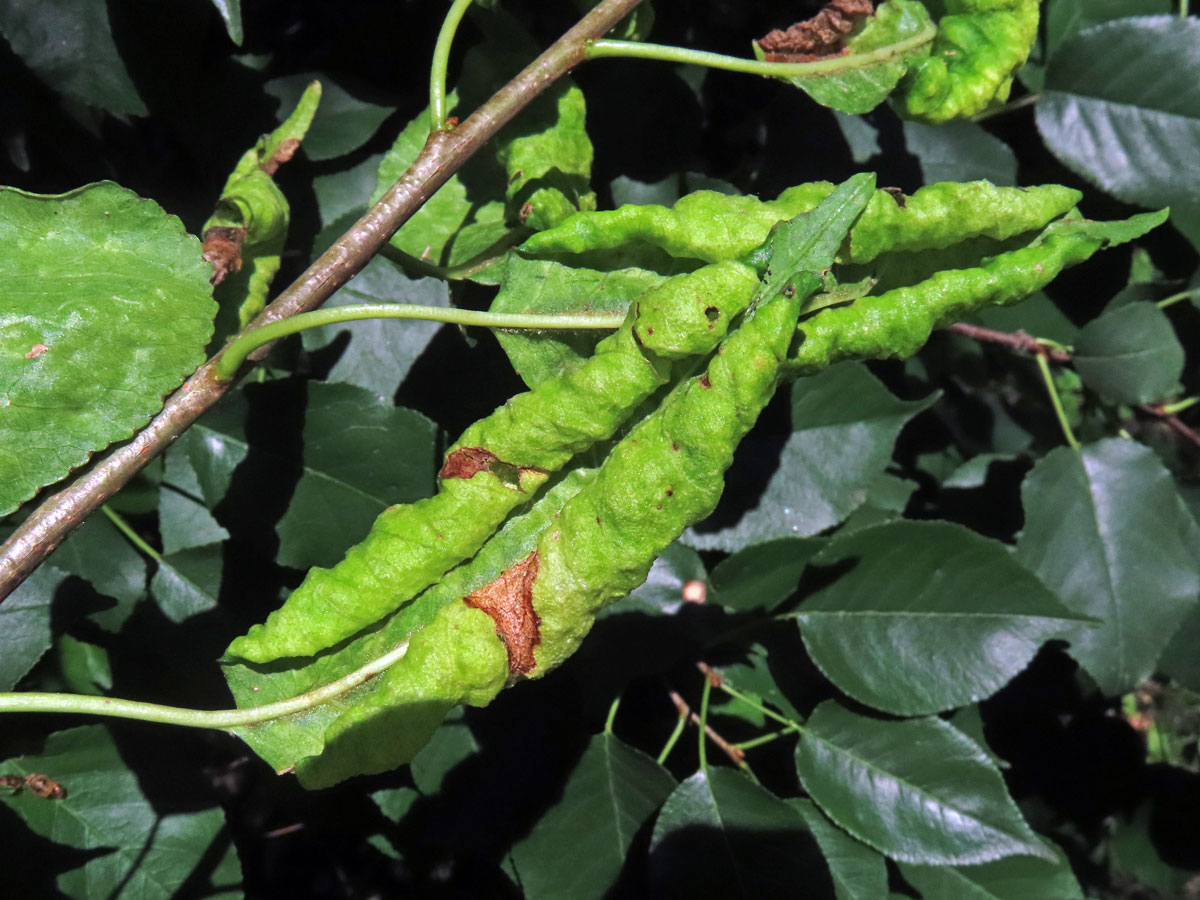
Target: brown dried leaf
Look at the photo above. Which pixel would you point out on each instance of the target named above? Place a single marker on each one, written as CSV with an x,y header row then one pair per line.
x,y
223,248
822,36
466,461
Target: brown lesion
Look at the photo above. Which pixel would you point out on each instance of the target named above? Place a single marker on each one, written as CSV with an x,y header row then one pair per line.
x,y
223,248
820,37
286,150
509,601
465,462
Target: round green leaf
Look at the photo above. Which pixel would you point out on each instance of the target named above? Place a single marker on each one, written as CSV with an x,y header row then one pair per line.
x,y
918,790
1105,529
106,308
1130,354
1110,114
577,849
917,585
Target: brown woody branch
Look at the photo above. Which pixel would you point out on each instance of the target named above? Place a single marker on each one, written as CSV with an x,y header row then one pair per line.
x,y
1021,341
444,154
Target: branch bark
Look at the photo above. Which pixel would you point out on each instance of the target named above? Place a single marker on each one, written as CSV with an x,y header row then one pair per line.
x,y
444,154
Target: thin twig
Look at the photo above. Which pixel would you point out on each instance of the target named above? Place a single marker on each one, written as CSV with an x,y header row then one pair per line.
x,y
1019,340
443,155
733,752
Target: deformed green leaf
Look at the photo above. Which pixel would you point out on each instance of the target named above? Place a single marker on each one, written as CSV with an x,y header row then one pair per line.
x,y
97,260
361,455
859,873
720,834
1101,530
299,741
1130,354
25,624
916,790
543,286
139,852
612,791
875,59
1109,114
845,424
916,585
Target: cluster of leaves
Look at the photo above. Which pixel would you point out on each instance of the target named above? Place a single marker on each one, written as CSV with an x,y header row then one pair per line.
x,y
908,571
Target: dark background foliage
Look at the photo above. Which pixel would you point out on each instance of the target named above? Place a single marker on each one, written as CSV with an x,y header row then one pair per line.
x,y
447,826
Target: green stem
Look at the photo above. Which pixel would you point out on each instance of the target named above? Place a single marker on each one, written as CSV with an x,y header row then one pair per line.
x,y
134,538
1056,401
765,739
441,59
1175,298
611,49
703,723
1171,409
236,353
674,738
88,704
769,713
612,715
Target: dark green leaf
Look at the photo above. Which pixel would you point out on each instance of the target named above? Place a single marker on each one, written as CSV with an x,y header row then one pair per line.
x,y
845,423
183,518
1102,530
611,792
754,677
361,454
1110,115
1179,658
341,199
84,667
71,48
231,15
916,585
140,852
1015,878
542,286
1130,354
859,873
99,260
187,582
344,122
761,576
916,790
960,151
215,446
721,835
99,553
395,802
450,745
25,625
381,351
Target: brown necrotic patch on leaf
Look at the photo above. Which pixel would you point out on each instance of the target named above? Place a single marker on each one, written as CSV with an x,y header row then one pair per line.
x,y
37,784
223,248
466,461
821,36
285,152
509,601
